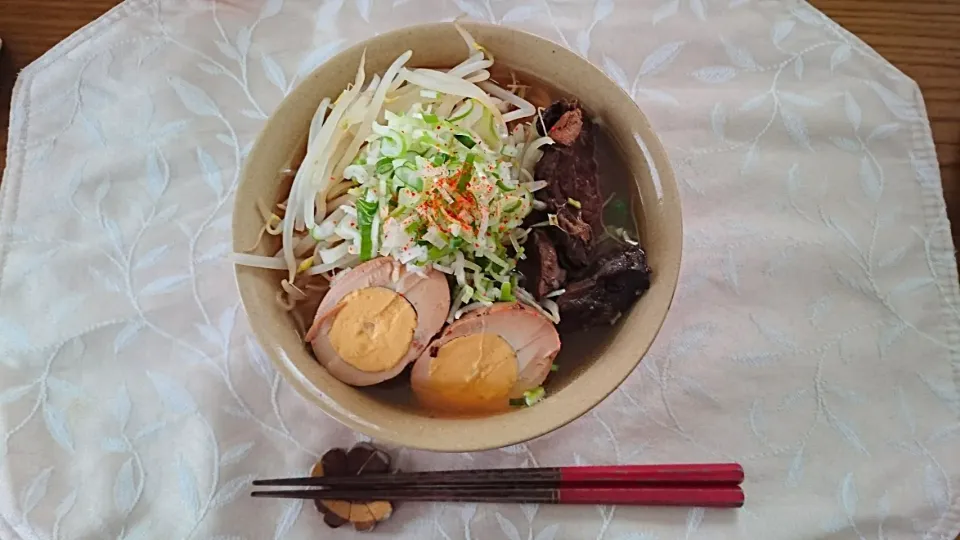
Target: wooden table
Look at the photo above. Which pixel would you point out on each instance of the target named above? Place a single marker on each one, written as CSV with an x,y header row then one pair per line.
x,y
921,37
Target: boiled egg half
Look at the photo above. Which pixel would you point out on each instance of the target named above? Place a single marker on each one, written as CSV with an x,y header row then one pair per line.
x,y
485,359
376,319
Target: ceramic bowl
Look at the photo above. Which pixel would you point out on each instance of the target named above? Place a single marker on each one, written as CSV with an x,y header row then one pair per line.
x,y
592,365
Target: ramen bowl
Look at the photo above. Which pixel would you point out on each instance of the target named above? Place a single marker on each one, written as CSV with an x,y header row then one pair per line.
x,y
592,363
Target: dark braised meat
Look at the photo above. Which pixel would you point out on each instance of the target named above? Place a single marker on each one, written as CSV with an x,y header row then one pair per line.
x,y
602,279
567,127
570,170
541,268
608,289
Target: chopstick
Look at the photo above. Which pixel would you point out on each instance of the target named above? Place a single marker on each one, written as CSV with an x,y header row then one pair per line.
x,y
704,496
694,473
706,485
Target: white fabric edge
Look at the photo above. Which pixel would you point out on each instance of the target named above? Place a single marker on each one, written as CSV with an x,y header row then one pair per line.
x,y
934,210
12,180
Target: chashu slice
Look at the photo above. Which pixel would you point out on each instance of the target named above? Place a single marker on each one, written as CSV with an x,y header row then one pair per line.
x,y
485,359
376,319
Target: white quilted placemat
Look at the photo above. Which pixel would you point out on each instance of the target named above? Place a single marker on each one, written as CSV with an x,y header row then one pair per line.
x,y
814,337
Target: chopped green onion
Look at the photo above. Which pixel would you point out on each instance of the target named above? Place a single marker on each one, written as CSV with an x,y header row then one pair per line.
x,y
506,294
385,165
554,368
574,203
392,144
409,177
498,261
365,212
534,396
530,398
439,189
465,140
552,220
464,111
509,150
466,173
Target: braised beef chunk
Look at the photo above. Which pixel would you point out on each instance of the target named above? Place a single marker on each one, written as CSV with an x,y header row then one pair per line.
x,y
570,170
567,128
551,115
600,282
541,268
610,287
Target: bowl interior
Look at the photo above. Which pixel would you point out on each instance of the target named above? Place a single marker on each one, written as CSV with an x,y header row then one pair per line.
x,y
593,363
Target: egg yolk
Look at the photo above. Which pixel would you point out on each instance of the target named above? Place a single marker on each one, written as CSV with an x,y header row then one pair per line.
x,y
373,329
471,373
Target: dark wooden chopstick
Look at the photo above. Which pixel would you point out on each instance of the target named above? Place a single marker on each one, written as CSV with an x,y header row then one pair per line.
x,y
712,496
694,473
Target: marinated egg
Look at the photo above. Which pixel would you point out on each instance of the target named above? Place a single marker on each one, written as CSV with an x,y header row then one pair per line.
x,y
376,319
486,358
